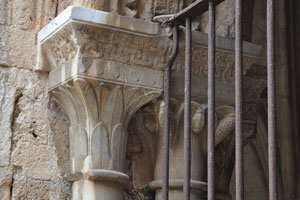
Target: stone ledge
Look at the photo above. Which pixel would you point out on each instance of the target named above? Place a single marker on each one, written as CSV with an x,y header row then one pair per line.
x,y
106,36
178,184
98,18
225,44
224,90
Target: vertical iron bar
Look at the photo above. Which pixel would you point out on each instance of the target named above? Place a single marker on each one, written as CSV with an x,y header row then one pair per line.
x,y
211,103
239,102
187,110
271,101
170,61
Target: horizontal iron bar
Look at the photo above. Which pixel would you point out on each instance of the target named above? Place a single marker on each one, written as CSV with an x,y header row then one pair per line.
x,y
194,9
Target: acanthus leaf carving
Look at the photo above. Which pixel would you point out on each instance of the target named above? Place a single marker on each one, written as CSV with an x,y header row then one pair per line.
x,y
118,147
113,108
198,121
74,92
99,147
99,113
136,98
224,120
79,145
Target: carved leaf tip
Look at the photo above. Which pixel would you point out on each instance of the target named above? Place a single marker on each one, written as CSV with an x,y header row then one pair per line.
x,y
99,144
118,147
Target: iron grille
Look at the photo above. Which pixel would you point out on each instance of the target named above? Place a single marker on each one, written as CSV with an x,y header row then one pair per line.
x,y
185,17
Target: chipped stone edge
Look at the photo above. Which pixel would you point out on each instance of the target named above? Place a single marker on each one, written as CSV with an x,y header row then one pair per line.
x,y
100,19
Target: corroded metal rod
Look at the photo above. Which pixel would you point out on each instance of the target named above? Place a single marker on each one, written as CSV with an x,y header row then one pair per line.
x,y
170,61
187,110
271,101
193,10
239,154
211,103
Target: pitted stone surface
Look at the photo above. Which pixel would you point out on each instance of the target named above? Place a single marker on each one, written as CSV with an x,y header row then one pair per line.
x,y
29,154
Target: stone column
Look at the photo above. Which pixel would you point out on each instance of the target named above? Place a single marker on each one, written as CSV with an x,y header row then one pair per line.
x,y
97,82
224,126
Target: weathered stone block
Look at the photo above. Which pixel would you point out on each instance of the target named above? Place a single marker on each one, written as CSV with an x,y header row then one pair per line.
x,y
25,129
25,188
39,162
5,182
17,48
4,12
6,109
24,14
45,12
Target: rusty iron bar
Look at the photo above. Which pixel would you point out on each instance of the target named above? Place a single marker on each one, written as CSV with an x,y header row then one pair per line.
x,y
271,101
239,154
187,110
193,10
211,103
167,72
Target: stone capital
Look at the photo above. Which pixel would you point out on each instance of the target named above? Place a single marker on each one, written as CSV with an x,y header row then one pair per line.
x,y
225,123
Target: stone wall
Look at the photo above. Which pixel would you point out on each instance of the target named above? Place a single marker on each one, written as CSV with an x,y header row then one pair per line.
x,y
34,139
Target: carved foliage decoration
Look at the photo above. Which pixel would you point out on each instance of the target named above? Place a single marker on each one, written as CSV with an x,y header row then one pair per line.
x,y
61,48
99,114
148,52
224,115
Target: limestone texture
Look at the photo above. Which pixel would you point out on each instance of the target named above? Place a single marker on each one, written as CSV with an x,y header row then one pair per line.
x,y
33,159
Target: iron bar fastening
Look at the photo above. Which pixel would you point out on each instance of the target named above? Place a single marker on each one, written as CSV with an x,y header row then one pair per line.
x,y
211,103
271,101
187,110
239,154
169,64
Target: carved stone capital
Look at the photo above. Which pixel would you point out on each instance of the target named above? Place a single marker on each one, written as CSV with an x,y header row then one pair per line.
x,y
99,113
153,143
152,138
